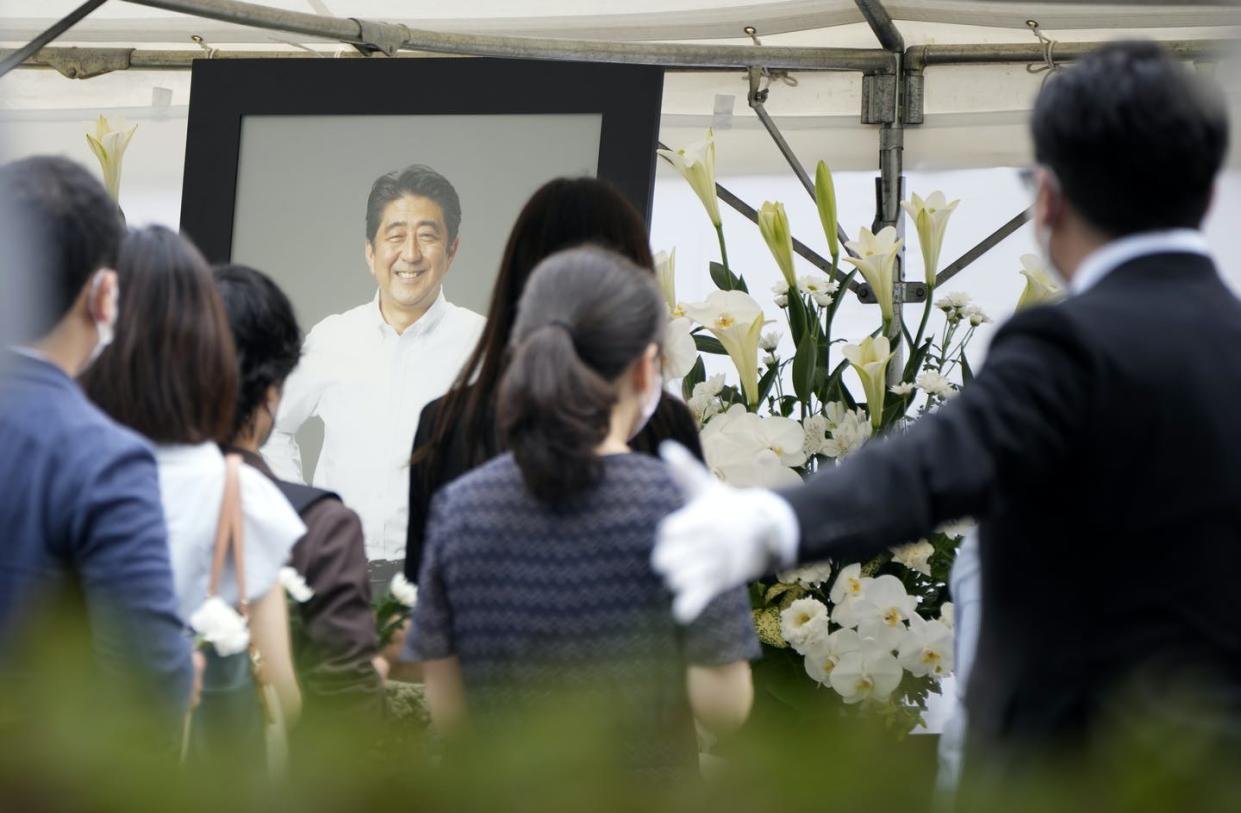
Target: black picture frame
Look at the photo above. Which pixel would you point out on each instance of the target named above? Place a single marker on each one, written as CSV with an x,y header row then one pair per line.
x,y
223,92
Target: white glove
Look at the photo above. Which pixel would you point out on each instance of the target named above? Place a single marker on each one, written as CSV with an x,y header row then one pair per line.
x,y
722,538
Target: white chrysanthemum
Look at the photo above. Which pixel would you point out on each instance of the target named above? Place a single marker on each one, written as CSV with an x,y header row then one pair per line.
x,y
808,576
957,300
903,388
780,287
403,591
975,315
866,675
927,649
934,383
848,434
709,388
781,300
804,622
769,340
816,427
821,658
770,359
814,284
221,626
823,300
295,585
915,556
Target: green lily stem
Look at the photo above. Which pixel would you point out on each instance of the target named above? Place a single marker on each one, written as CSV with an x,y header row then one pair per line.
x,y
926,315
728,274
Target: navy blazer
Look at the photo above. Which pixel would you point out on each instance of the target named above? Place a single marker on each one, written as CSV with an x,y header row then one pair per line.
x,y
1100,449
80,509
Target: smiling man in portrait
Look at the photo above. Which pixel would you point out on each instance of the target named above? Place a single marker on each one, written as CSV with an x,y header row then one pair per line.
x,y
368,372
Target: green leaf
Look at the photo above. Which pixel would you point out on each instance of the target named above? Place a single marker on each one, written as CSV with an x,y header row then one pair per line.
x,y
710,344
804,364
799,320
835,389
787,404
696,375
767,381
967,373
915,361
721,276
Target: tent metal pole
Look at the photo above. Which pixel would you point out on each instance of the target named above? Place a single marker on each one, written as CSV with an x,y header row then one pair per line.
x,y
986,244
389,37
15,58
880,22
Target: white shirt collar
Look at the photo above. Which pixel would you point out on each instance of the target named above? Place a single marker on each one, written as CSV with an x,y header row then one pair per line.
x,y
1107,259
427,321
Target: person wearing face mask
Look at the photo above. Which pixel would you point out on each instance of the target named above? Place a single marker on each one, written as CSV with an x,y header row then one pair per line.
x,y
335,644
368,372
1100,437
536,575
458,432
79,495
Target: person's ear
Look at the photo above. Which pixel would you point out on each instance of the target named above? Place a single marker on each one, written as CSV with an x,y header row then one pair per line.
x,y
646,368
1048,201
271,399
452,249
369,254
102,297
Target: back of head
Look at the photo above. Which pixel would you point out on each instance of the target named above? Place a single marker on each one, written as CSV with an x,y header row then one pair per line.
x,y
58,228
586,315
171,372
265,334
1134,138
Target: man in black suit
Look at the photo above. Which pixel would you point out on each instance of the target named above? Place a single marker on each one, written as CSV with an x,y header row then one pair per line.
x,y
1100,446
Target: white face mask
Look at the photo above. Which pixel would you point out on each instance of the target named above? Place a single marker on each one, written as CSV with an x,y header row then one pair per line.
x,y
649,405
105,327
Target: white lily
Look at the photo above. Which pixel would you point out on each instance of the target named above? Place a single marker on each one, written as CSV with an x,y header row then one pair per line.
x,y
109,143
1040,288
666,274
876,261
696,163
870,360
866,675
930,219
773,224
737,321
927,649
680,353
825,201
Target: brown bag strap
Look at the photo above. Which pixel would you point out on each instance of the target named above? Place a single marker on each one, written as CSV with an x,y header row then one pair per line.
x,y
230,534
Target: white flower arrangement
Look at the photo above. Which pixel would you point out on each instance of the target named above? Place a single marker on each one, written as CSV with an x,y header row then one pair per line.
x,y
873,631
221,626
295,585
403,591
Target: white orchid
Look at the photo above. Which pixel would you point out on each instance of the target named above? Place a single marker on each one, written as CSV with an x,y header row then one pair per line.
x,y
876,260
680,353
220,625
870,360
807,576
933,383
877,635
915,556
696,163
866,675
822,657
666,274
403,591
927,649
742,451
804,621
930,219
773,224
1040,288
295,585
884,599
850,583
109,142
737,321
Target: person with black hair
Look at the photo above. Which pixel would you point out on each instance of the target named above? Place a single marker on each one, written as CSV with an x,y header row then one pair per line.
x,y
1098,445
458,432
79,495
536,576
335,646
368,372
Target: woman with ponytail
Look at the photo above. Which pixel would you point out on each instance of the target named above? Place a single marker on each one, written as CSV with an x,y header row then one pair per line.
x,y
536,574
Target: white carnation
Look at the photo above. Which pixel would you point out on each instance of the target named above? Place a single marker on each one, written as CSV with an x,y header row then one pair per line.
x,y
221,626
295,585
804,623
403,591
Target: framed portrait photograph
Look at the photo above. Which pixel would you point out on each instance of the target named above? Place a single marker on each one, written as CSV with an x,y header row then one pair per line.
x,y
367,186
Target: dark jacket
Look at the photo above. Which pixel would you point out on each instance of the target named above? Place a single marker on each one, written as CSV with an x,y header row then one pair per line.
x,y
671,420
1100,448
335,640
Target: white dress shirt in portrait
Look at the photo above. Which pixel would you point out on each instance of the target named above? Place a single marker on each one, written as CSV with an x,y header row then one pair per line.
x,y
369,384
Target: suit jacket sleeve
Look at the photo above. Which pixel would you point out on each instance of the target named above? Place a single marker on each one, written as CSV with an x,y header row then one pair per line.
x,y
338,623
1010,428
